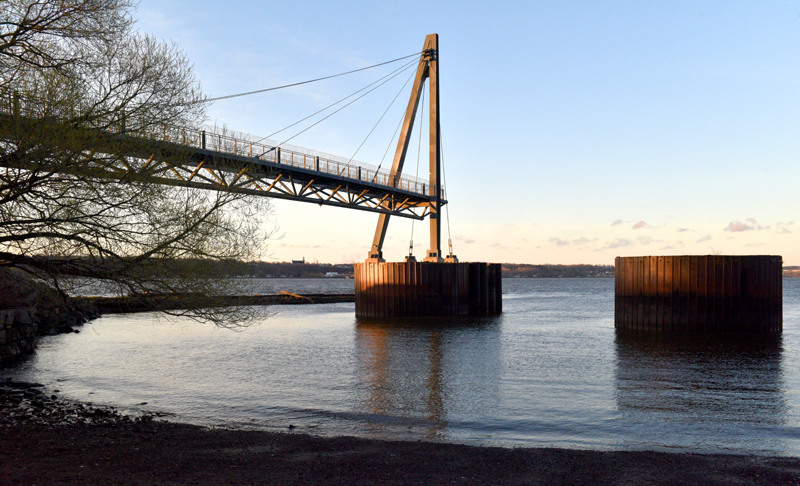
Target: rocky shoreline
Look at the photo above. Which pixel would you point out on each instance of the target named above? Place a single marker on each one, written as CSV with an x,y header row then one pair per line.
x,y
30,308
26,404
20,327
47,440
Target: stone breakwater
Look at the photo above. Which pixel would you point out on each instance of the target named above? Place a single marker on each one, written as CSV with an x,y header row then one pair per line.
x,y
165,302
21,327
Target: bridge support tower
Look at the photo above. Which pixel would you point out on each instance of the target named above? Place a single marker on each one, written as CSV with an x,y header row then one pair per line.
x,y
437,286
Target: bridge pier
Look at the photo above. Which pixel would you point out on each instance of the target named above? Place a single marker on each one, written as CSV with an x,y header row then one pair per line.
x,y
412,288
708,293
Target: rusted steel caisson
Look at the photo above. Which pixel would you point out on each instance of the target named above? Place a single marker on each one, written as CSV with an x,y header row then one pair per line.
x,y
708,293
411,288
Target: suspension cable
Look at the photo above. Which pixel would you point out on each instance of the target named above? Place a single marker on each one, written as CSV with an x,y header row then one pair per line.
x,y
309,81
336,103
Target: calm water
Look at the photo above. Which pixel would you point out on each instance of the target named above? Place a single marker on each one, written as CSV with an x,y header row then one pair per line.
x,y
550,371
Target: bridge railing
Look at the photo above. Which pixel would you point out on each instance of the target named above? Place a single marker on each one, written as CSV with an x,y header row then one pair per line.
x,y
225,141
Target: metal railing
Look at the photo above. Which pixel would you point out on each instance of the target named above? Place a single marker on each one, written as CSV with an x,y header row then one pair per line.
x,y
241,144
225,141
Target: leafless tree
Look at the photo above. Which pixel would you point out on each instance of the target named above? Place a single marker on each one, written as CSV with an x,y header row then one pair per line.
x,y
75,77
54,35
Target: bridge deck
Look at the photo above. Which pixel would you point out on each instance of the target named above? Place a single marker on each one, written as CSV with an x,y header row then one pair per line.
x,y
222,160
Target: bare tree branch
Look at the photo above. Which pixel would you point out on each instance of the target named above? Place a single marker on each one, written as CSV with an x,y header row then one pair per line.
x,y
74,73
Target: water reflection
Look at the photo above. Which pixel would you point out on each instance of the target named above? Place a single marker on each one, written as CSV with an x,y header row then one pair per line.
x,y
423,373
689,388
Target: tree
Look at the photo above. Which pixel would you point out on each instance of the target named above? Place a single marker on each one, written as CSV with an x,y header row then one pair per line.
x,y
73,72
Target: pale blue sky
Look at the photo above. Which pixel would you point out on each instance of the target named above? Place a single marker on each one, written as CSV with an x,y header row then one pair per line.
x,y
573,132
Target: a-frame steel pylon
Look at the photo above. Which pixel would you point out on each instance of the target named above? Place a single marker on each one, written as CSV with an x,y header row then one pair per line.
x,y
428,69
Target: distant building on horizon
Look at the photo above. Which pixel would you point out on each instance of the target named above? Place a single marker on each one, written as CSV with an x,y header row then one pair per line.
x,y
299,262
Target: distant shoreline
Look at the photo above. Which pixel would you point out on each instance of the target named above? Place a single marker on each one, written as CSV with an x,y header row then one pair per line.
x,y
327,270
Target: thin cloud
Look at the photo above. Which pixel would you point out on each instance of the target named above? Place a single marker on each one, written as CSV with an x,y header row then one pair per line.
x,y
737,227
623,242
618,243
640,224
785,228
616,222
675,246
463,239
583,241
683,230
749,224
705,238
646,240
558,242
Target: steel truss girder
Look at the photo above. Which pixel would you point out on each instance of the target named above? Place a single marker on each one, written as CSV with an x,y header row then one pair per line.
x,y
283,186
178,165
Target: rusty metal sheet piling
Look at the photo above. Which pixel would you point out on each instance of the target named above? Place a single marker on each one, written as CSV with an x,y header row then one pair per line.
x,y
707,293
413,288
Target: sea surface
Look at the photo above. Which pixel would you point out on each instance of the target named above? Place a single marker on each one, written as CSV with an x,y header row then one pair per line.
x,y
549,372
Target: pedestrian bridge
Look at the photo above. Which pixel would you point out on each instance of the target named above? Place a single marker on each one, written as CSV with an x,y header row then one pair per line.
x,y
219,159
133,151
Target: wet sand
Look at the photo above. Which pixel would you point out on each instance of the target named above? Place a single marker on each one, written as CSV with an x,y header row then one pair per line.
x,y
164,453
47,441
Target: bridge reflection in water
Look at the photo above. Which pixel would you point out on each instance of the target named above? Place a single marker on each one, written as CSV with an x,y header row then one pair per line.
x,y
684,390
424,374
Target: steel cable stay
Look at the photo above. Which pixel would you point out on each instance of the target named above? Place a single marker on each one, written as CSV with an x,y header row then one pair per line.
x,y
379,121
336,103
223,160
444,186
338,110
219,98
391,142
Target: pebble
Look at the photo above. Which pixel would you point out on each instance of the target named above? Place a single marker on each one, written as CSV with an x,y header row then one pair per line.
x,y
23,403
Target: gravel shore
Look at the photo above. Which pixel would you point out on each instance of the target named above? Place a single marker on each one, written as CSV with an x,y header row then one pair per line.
x,y
48,441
